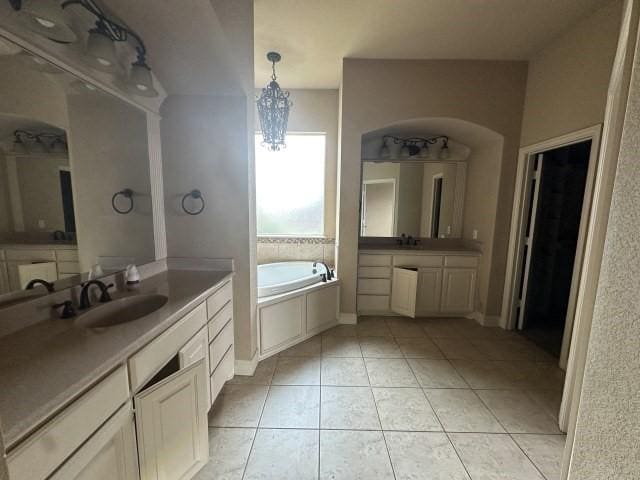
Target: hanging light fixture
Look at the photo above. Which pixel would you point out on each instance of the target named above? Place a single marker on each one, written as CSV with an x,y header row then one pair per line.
x,y
36,144
424,150
385,151
273,109
18,147
444,152
58,146
44,17
101,51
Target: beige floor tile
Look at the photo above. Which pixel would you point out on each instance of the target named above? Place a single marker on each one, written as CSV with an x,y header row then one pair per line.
x,y
493,457
262,376
228,453
348,372
549,400
535,375
405,409
297,371
341,347
373,327
545,451
380,347
390,372
354,455
406,328
349,408
424,456
460,349
284,455
341,331
441,328
436,373
461,410
517,412
291,407
308,348
238,406
419,347
485,374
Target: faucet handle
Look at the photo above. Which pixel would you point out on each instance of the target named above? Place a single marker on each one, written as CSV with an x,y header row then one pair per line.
x,y
104,296
68,311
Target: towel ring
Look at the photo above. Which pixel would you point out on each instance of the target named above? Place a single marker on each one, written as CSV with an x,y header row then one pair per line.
x,y
195,194
126,193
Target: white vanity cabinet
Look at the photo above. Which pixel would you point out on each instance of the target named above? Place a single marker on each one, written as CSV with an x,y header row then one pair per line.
x,y
416,283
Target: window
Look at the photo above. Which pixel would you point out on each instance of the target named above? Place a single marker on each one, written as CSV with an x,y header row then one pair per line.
x,y
290,186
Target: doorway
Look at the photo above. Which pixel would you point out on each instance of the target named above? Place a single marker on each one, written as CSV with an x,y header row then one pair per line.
x,y
557,188
379,208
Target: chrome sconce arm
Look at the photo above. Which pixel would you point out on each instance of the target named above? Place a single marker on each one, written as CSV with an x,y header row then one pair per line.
x,y
413,146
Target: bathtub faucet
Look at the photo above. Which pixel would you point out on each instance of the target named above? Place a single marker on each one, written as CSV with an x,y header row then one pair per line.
x,y
329,275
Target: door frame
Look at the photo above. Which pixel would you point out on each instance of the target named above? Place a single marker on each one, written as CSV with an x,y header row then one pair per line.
x,y
518,226
363,210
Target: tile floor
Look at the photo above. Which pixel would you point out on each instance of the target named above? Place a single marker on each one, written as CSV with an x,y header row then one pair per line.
x,y
393,398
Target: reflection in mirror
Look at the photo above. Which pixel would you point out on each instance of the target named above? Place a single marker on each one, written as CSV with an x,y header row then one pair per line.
x,y
418,199
65,149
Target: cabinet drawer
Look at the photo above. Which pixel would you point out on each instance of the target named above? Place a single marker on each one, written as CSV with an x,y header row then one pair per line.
x,y
31,255
222,373
67,255
374,286
220,320
417,260
147,361
220,345
373,303
68,267
218,300
46,449
374,272
461,261
367,260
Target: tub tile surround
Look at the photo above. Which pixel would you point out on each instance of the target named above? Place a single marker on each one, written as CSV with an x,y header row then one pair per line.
x,y
415,411
285,249
49,354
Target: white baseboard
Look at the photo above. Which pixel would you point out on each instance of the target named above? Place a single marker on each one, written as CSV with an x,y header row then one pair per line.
x,y
485,320
246,367
348,318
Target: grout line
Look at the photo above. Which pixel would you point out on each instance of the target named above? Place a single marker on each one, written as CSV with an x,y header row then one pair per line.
x,y
320,411
457,454
266,397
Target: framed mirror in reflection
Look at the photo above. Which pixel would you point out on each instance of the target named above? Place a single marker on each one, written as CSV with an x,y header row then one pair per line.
x,y
65,148
412,198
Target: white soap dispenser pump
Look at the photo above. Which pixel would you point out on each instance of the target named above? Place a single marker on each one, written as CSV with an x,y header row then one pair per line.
x,y
132,276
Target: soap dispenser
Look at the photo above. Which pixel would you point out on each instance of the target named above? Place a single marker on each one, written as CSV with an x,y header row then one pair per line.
x,y
132,277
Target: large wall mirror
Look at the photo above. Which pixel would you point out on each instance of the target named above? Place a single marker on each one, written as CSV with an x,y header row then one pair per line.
x,y
413,183
75,191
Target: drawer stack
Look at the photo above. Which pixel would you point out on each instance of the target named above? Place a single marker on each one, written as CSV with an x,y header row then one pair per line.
x,y
220,329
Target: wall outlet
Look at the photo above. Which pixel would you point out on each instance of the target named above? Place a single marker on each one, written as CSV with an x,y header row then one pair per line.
x,y
475,234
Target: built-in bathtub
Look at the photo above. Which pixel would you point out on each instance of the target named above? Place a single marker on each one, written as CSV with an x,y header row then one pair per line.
x,y
293,304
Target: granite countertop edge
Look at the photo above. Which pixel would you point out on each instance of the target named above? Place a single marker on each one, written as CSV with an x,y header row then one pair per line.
x,y
14,432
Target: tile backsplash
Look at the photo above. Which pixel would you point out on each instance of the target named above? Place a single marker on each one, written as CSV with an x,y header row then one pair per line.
x,y
274,249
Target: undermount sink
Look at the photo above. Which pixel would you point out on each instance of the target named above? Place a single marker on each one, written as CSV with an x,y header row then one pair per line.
x,y
122,310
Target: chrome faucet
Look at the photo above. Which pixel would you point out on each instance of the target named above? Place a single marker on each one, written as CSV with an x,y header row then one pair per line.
x,y
329,275
39,281
84,293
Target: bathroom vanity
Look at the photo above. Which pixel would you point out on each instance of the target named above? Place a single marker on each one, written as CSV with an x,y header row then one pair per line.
x,y
126,401
424,282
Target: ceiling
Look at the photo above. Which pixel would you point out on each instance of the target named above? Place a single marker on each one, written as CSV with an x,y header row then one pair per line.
x,y
314,36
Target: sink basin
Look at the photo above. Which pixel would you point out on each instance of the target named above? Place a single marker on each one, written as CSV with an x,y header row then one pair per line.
x,y
122,310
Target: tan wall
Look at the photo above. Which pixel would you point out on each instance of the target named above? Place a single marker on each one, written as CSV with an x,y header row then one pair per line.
x,y
108,152
376,93
6,221
40,192
316,111
608,425
205,146
568,80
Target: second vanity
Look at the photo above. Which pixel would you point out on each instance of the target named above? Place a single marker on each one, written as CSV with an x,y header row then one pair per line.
x,y
126,401
429,280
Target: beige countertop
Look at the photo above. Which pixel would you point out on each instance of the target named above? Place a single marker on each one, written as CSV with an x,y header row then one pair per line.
x,y
418,250
39,246
47,365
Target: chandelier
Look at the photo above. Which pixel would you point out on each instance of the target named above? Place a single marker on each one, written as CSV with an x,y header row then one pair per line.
x,y
273,110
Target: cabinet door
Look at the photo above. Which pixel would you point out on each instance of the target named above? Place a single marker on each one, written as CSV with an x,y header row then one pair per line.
x,y
404,287
429,290
110,454
197,348
458,289
171,421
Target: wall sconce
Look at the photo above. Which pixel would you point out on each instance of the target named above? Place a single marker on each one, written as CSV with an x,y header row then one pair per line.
x,y
57,143
49,20
415,146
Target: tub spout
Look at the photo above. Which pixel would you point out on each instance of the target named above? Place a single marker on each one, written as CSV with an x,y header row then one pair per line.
x,y
329,273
